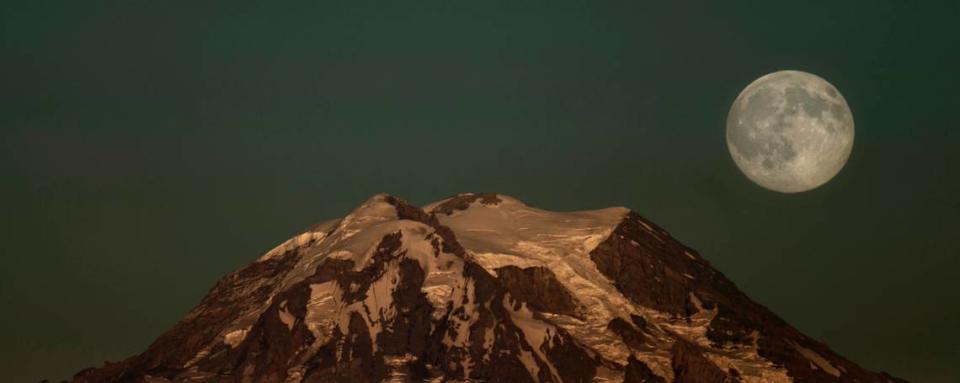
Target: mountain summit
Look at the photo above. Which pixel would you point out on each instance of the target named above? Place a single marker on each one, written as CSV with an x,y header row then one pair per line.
x,y
481,288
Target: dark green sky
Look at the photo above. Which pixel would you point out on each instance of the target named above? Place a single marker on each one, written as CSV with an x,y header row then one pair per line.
x,y
148,148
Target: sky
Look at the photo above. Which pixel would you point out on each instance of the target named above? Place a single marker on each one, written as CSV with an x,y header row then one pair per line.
x,y
149,148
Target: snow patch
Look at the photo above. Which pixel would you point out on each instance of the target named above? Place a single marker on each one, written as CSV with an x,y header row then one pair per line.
x,y
493,261
322,308
396,364
816,359
535,333
285,316
235,337
314,235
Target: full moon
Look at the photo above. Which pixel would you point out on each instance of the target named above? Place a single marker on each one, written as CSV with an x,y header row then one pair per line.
x,y
790,131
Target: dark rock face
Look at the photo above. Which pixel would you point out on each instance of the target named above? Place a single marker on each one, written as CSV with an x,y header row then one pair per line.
x,y
413,213
689,366
651,268
572,362
633,338
463,201
638,372
539,288
389,294
409,331
648,266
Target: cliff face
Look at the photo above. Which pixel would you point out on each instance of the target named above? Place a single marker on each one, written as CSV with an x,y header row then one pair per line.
x,y
481,288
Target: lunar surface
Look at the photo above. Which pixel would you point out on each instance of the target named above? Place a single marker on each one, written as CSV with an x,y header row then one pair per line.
x,y
790,131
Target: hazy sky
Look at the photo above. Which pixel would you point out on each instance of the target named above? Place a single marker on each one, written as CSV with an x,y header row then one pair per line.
x,y
149,148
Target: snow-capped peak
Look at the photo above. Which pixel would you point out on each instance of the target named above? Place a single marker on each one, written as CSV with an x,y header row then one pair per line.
x,y
481,287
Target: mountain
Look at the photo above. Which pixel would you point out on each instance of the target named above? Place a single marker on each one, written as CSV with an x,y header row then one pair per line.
x,y
481,288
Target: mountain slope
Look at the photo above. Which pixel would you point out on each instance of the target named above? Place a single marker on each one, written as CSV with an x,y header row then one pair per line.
x,y
480,287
